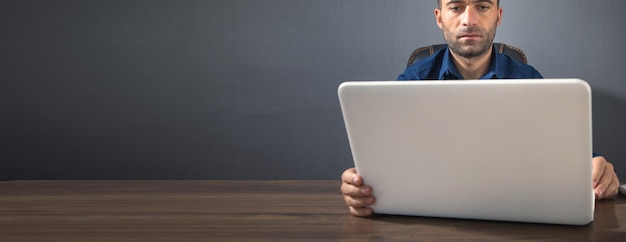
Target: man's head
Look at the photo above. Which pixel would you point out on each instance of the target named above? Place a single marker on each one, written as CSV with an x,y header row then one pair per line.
x,y
469,26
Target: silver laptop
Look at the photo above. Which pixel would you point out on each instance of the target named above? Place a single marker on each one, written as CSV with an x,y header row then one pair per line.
x,y
509,150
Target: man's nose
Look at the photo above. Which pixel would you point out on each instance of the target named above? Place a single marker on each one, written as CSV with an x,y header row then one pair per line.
x,y
469,17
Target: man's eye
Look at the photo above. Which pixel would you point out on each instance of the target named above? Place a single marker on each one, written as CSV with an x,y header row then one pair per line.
x,y
456,8
483,8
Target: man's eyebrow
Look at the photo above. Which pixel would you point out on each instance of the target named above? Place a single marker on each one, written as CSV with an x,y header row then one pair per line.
x,y
450,2
484,1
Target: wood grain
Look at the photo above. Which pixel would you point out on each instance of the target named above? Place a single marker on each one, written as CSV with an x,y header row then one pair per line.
x,y
245,211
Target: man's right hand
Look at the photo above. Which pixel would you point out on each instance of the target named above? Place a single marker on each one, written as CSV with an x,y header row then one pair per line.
x,y
357,195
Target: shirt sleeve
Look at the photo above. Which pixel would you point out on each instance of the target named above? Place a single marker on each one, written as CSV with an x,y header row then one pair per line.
x,y
403,77
536,74
410,73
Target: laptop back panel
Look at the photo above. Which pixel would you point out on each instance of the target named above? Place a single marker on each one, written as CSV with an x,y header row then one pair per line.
x,y
512,150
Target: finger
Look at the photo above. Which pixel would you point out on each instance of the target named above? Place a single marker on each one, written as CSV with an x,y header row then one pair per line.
x,y
604,183
361,212
597,170
350,176
359,202
356,191
610,189
613,188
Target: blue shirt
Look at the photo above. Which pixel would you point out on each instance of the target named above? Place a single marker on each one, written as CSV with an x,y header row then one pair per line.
x,y
440,66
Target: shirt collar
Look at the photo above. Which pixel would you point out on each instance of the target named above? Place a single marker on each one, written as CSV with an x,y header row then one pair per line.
x,y
448,69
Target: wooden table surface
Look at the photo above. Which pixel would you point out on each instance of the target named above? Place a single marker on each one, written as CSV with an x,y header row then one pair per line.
x,y
246,211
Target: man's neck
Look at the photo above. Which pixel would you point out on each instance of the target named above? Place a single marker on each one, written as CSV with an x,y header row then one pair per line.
x,y
472,68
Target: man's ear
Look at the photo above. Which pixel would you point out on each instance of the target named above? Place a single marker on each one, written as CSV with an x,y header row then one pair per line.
x,y
499,16
438,17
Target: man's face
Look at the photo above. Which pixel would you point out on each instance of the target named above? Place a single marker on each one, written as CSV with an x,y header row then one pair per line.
x,y
469,26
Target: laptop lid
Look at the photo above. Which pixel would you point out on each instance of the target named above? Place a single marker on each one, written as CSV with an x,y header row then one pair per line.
x,y
511,150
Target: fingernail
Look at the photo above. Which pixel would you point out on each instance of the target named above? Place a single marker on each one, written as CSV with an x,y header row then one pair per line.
x,y
354,180
370,201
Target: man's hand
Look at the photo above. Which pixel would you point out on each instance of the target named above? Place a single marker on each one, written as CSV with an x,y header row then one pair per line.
x,y
357,195
605,182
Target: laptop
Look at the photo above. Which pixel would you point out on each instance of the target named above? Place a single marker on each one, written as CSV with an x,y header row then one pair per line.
x,y
506,150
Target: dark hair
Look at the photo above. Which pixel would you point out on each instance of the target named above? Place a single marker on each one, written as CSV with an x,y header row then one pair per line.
x,y
439,3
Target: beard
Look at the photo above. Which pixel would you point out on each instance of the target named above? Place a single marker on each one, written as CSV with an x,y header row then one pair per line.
x,y
470,48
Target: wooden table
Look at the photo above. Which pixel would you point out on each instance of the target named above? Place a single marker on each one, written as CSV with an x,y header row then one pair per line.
x,y
245,211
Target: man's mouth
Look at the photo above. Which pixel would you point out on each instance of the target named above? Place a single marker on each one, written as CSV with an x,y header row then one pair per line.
x,y
470,36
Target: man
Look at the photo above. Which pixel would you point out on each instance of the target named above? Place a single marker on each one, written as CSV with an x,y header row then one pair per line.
x,y
469,28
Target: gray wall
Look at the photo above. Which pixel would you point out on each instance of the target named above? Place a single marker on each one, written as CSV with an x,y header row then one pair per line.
x,y
246,89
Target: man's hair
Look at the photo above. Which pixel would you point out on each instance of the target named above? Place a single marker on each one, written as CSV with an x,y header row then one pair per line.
x,y
439,3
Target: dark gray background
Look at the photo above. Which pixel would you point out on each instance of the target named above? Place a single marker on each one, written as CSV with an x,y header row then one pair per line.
x,y
246,89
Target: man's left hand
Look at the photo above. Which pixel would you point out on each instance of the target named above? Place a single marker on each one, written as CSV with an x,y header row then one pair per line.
x,y
605,182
